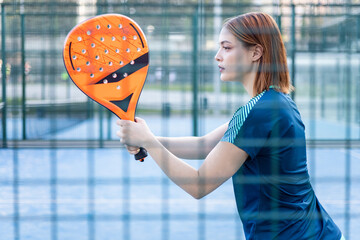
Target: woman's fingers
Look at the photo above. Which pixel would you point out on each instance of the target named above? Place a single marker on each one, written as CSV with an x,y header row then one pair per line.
x,y
123,123
122,134
133,150
134,133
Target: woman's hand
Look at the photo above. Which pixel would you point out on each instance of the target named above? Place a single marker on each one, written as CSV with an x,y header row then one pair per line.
x,y
134,134
132,150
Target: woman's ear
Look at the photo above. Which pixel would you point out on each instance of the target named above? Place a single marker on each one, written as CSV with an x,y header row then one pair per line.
x,y
257,52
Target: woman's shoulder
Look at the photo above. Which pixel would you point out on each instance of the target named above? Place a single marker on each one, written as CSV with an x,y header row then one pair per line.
x,y
271,104
265,104
276,100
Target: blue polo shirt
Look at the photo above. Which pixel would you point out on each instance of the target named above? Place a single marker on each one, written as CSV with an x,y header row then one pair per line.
x,y
273,193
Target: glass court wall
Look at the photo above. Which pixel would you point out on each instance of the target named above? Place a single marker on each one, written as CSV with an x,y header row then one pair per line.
x,y
63,172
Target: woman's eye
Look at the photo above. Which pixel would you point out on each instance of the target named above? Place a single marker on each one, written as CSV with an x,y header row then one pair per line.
x,y
226,48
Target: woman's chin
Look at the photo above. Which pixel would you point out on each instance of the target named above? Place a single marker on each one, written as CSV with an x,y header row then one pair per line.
x,y
224,78
231,78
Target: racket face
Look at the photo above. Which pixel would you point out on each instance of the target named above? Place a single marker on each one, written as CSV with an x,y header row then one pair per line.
x,y
107,57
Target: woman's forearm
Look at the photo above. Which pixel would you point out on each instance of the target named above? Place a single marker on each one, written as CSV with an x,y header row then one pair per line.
x,y
187,147
193,147
181,173
214,171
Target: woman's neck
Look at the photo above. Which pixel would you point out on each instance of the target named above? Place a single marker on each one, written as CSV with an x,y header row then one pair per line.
x,y
248,83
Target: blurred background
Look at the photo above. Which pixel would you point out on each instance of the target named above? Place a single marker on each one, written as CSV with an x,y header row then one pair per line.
x,y
63,173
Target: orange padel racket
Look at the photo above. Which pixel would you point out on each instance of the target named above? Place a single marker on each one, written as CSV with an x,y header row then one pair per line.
x,y
107,57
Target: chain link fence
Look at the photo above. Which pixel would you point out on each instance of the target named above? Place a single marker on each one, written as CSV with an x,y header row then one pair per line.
x,y
44,115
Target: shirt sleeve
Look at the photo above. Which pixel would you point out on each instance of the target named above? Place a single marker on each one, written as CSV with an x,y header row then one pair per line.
x,y
250,127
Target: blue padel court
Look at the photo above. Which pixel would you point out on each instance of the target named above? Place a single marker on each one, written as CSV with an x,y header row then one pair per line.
x,y
100,193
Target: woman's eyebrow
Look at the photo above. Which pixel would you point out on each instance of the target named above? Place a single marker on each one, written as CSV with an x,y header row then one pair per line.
x,y
225,41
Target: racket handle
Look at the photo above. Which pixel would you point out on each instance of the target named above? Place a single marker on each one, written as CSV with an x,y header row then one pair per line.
x,y
141,155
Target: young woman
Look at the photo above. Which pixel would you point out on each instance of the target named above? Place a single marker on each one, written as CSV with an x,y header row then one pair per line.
x,y
262,148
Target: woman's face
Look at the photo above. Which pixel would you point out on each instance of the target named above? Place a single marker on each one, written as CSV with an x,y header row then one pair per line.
x,y
235,61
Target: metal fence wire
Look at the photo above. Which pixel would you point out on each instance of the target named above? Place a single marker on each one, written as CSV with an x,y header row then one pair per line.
x,y
63,172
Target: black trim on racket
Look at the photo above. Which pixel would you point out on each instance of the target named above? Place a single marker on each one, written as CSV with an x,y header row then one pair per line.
x,y
72,65
142,43
126,70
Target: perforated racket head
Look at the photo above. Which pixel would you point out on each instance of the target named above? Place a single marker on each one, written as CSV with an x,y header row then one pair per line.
x,y
107,57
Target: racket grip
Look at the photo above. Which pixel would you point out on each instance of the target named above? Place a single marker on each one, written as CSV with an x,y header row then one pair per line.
x,y
141,155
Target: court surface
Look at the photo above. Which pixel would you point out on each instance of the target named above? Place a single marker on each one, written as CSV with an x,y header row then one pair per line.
x,y
87,193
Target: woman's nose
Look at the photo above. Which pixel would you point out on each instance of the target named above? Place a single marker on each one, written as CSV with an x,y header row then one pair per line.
x,y
217,56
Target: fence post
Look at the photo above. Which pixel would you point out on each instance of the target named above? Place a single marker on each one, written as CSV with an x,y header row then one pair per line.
x,y
348,116
23,76
293,48
3,72
195,74
101,109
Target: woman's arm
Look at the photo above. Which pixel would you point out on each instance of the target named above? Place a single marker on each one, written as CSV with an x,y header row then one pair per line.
x,y
221,163
193,147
